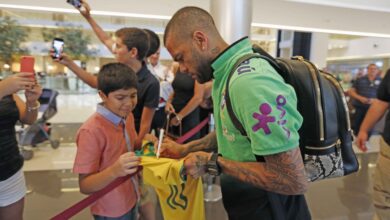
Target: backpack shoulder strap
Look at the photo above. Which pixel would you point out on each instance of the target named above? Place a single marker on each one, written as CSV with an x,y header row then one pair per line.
x,y
258,53
229,106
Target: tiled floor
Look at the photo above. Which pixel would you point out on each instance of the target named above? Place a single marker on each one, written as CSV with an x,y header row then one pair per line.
x,y
52,187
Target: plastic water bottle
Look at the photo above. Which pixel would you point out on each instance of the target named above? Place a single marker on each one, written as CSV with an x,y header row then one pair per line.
x,y
212,191
211,123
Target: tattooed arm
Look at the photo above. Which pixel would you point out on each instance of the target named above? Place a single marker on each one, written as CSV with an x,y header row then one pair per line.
x,y
172,149
281,173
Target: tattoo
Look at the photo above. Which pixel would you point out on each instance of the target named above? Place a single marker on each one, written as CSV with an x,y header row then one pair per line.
x,y
207,143
282,173
216,50
200,161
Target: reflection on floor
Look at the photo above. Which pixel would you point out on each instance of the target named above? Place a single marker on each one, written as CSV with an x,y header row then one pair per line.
x,y
52,187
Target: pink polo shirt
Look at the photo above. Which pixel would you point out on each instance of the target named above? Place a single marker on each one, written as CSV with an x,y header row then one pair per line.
x,y
100,142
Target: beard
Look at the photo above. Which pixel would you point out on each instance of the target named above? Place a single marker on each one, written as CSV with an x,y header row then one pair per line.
x,y
203,70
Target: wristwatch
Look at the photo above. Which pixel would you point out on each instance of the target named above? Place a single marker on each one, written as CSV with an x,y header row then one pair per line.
x,y
212,165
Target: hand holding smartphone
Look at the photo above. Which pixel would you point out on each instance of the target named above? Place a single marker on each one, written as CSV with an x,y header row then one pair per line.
x,y
58,47
27,65
75,3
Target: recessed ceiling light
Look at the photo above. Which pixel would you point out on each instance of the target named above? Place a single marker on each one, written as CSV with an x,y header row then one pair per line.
x,y
74,11
320,30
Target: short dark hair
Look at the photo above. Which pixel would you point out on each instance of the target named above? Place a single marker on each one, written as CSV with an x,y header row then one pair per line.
x,y
135,37
154,42
186,20
115,76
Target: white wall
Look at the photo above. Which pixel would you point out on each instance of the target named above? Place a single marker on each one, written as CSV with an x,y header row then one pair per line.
x,y
368,47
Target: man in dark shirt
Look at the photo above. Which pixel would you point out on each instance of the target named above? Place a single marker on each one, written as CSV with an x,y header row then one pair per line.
x,y
381,193
363,91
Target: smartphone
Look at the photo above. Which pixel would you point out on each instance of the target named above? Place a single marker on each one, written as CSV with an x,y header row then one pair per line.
x,y
58,47
27,64
75,3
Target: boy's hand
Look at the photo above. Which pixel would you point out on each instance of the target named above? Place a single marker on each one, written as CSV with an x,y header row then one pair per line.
x,y
151,138
126,164
64,59
85,9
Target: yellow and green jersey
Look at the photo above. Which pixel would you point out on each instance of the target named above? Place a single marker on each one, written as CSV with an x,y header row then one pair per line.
x,y
180,196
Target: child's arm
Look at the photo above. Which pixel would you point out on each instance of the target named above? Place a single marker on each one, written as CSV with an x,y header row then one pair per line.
x,y
146,122
126,164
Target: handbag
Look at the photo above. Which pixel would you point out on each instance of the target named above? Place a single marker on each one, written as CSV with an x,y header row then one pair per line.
x,y
169,133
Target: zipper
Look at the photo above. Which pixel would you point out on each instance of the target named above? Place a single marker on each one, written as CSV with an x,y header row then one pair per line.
x,y
337,145
318,97
341,92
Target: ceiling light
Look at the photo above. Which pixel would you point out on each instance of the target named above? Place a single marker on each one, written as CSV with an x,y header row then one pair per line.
x,y
320,30
74,11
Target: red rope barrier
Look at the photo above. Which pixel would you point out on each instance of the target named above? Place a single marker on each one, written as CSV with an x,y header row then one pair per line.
x,y
76,208
193,131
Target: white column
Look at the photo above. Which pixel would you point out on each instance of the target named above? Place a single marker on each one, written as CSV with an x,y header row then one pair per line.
x,y
319,49
233,18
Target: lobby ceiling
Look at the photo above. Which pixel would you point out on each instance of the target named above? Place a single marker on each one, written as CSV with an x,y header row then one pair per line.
x,y
355,17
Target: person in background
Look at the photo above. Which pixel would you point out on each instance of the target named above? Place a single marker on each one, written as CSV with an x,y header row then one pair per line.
x,y
105,145
165,86
130,47
183,103
13,109
263,177
363,92
161,71
380,105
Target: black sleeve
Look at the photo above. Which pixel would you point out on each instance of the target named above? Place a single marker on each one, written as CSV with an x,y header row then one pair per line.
x,y
152,94
383,93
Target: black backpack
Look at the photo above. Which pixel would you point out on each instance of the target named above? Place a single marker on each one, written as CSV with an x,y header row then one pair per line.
x,y
325,135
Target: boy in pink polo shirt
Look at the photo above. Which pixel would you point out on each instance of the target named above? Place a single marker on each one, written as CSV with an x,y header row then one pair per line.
x,y
104,145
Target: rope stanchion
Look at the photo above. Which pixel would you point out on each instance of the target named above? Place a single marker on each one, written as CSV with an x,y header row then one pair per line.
x,y
193,131
76,208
